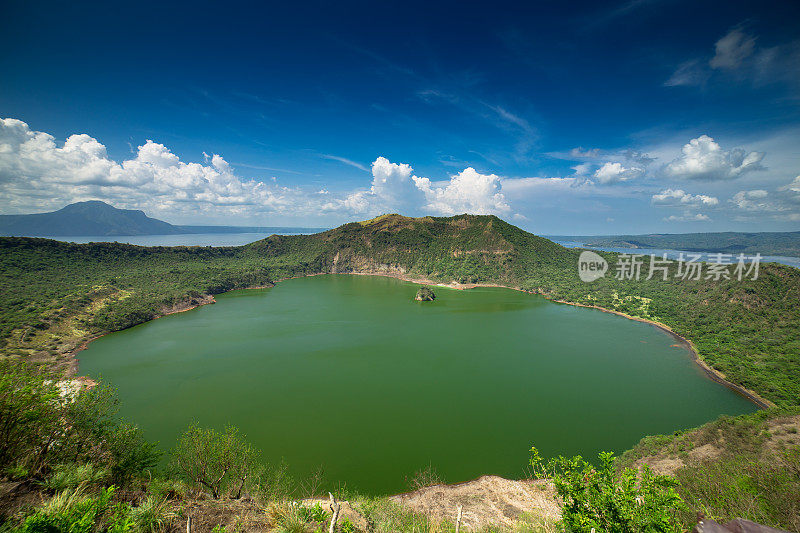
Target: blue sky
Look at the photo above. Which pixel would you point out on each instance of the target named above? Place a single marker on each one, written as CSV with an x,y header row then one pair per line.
x,y
564,118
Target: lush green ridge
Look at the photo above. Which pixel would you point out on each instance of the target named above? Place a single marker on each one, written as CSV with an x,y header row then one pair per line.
x,y
785,243
55,295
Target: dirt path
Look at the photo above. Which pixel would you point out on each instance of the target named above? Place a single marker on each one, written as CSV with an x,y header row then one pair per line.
x,y
486,501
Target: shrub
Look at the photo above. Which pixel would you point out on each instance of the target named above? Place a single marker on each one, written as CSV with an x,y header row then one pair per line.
x,y
602,500
222,463
130,454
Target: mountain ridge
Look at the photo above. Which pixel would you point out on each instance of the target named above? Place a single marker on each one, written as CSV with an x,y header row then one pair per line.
x,y
97,218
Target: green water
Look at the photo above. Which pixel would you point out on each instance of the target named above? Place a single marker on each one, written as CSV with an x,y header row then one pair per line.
x,y
349,373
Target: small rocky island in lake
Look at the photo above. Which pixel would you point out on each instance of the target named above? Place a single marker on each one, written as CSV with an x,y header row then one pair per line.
x,y
425,294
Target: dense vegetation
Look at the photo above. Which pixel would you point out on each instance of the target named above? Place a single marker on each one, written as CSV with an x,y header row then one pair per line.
x,y
55,296
785,243
746,466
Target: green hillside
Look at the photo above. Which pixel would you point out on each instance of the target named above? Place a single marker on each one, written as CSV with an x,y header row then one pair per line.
x,y
55,295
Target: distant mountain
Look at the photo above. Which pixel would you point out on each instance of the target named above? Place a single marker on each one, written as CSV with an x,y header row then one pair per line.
x,y
95,218
785,243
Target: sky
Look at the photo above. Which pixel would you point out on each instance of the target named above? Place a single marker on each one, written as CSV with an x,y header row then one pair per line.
x,y
567,118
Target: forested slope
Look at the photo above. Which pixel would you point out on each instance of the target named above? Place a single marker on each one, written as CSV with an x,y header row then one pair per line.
x,y
55,295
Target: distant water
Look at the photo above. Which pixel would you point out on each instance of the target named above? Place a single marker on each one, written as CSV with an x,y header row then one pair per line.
x,y
350,373
188,239
673,254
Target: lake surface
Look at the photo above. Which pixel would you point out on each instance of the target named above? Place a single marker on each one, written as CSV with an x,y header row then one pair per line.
x,y
349,373
180,239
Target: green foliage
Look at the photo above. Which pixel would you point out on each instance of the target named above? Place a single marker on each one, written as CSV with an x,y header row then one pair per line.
x,y
167,488
222,463
69,511
45,428
600,499
425,294
71,476
315,513
130,454
385,516
346,526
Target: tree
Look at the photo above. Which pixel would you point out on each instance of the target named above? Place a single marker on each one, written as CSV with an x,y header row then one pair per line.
x,y
222,463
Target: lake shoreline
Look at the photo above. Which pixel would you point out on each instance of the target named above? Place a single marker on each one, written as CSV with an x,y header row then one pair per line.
x,y
710,372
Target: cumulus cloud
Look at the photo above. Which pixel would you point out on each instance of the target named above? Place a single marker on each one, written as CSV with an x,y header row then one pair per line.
x,y
678,197
704,159
38,174
467,192
394,184
732,49
615,172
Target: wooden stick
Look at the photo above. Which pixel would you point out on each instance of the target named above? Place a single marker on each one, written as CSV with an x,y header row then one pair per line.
x,y
335,508
188,524
458,520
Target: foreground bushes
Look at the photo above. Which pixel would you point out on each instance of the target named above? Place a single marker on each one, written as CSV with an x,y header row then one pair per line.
x,y
45,424
600,499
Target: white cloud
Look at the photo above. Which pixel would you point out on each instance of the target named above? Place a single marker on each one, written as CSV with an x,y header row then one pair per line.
x,y
580,153
614,172
783,203
346,161
754,200
36,174
467,192
732,49
794,186
699,217
582,169
704,159
526,187
678,197
395,185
